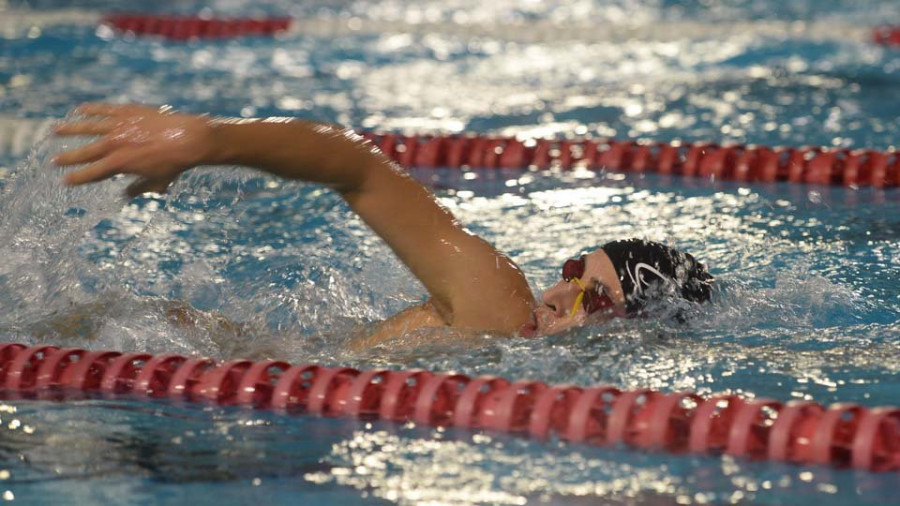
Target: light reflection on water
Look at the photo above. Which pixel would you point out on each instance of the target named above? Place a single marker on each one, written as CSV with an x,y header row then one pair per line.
x,y
794,317
151,450
806,307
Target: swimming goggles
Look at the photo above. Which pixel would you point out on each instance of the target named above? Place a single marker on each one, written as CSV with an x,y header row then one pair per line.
x,y
592,299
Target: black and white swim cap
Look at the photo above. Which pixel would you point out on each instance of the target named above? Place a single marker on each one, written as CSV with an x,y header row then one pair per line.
x,y
649,270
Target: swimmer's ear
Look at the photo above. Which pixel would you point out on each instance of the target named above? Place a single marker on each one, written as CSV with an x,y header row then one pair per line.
x,y
147,185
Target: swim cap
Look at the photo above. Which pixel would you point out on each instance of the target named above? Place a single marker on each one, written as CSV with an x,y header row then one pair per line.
x,y
649,270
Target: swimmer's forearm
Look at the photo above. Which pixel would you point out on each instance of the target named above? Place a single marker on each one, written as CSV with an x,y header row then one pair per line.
x,y
157,145
295,149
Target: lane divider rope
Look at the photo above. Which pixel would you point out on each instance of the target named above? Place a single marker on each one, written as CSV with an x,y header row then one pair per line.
x,y
816,165
195,27
15,23
802,432
836,166
886,35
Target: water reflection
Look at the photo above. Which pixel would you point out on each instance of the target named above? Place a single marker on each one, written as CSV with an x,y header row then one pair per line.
x,y
190,448
807,279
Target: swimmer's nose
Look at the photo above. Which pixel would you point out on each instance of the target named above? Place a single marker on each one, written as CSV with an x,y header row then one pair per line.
x,y
555,298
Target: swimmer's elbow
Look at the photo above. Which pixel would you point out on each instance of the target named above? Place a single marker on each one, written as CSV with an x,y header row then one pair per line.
x,y
379,178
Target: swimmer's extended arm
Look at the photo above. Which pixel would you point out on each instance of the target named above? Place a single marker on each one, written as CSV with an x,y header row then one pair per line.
x,y
471,284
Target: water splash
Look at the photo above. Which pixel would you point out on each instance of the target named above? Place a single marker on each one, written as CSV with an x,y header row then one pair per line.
x,y
85,267
42,227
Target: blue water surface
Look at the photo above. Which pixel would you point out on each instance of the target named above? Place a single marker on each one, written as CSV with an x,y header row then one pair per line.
x,y
806,305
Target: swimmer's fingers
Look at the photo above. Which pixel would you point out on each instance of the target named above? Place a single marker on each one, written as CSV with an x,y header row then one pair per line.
x,y
143,161
103,109
105,168
84,154
87,127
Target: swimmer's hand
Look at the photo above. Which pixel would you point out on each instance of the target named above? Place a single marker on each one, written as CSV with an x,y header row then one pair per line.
x,y
152,143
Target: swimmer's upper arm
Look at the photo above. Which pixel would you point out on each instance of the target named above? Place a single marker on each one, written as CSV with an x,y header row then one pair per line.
x,y
471,283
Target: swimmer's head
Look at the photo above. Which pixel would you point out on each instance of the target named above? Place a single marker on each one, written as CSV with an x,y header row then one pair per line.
x,y
649,271
618,279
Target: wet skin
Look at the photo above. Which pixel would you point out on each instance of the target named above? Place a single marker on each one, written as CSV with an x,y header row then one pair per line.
x,y
554,313
471,285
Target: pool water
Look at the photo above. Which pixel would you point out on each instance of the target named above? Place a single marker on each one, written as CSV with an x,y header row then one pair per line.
x,y
806,306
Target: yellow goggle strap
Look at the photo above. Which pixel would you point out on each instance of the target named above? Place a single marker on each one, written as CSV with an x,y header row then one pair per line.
x,y
580,295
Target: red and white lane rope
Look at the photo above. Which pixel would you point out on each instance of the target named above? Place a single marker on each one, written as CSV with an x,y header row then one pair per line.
x,y
17,23
842,435
817,165
838,166
191,27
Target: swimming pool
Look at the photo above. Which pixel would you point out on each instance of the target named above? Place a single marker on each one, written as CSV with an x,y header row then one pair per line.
x,y
807,307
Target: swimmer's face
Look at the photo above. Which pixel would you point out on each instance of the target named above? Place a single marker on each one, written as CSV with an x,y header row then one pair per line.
x,y
563,304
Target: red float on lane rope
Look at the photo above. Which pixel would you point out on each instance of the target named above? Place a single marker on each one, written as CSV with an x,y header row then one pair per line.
x,y
800,432
886,35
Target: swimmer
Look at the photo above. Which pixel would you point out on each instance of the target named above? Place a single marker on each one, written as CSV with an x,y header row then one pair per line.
x,y
471,285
